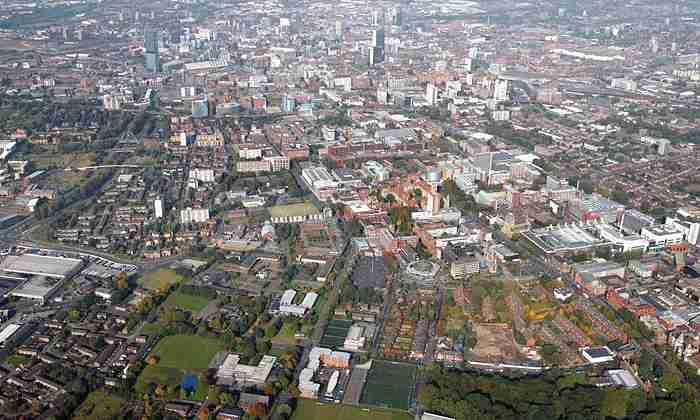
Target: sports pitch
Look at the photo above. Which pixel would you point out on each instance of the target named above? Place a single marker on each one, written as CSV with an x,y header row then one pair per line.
x,y
390,385
314,410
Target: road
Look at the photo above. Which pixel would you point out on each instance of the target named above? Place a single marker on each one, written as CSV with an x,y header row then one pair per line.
x,y
388,300
331,302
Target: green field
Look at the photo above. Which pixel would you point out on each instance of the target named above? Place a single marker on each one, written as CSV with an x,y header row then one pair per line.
x,y
160,279
100,405
187,351
335,333
286,333
314,410
17,359
290,210
187,302
151,328
179,355
390,384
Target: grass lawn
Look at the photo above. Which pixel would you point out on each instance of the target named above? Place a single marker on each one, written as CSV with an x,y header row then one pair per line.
x,y
73,160
390,384
187,302
159,375
151,328
286,334
179,355
314,410
17,359
187,351
160,279
238,221
100,405
290,210
70,179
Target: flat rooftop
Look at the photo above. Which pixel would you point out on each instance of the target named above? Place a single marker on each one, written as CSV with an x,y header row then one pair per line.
x,y
563,238
35,288
40,265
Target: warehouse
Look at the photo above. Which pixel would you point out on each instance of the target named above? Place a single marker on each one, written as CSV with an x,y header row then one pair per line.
x,y
36,288
42,265
7,333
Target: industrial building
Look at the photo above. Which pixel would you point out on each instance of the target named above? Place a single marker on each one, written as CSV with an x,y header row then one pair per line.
x,y
7,333
36,288
41,265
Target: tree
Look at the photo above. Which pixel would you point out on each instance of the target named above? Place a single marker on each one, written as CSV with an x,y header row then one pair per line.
x,y
41,208
259,410
121,281
271,330
620,196
262,346
203,413
418,195
284,409
213,393
550,354
226,399
74,314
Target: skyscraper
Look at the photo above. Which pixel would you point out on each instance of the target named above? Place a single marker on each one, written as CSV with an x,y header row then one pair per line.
x,y
158,208
395,16
431,94
377,18
150,43
339,29
378,38
376,50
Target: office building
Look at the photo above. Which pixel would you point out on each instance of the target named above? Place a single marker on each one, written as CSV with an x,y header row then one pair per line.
x,y
152,54
190,215
339,29
200,108
377,47
661,236
377,18
687,221
289,104
232,373
378,38
395,16
371,56
597,354
622,241
633,221
431,94
500,91
158,208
